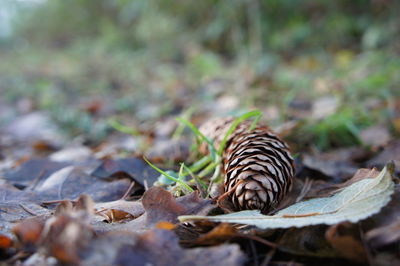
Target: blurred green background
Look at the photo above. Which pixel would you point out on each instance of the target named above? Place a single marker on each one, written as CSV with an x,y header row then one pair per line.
x,y
84,61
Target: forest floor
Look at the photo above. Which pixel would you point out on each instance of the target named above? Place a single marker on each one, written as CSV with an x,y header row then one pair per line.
x,y
76,125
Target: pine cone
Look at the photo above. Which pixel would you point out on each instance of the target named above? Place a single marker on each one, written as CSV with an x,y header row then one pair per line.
x,y
257,164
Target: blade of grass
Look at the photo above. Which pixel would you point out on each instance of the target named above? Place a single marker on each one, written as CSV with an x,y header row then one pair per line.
x,y
195,130
182,183
179,130
200,186
209,168
235,123
122,128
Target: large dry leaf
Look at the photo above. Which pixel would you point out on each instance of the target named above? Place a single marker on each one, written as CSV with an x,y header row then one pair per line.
x,y
356,202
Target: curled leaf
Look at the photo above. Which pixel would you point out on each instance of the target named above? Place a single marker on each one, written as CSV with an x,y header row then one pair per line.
x,y
354,203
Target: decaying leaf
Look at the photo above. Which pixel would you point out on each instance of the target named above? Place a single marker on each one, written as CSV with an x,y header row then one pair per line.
x,y
33,171
384,228
156,247
375,136
355,202
72,181
134,168
29,231
217,235
119,210
324,189
391,152
160,205
62,236
345,238
307,241
333,169
6,247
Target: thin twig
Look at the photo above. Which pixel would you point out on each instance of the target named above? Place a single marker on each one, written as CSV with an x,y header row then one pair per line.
x,y
132,184
36,180
268,257
28,210
254,252
259,239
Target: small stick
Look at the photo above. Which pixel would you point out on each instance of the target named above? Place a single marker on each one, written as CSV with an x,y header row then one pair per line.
x,y
27,210
129,190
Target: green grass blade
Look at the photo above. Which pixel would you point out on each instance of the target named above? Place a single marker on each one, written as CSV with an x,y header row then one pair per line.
x,y
168,175
235,123
122,128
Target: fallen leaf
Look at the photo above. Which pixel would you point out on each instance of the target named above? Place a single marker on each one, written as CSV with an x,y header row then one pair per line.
x,y
375,136
165,225
5,242
382,236
68,233
113,215
72,181
217,235
336,170
324,189
33,170
160,205
135,168
12,212
156,244
33,127
6,247
344,237
29,231
390,153
167,150
384,228
119,210
72,154
355,202
306,241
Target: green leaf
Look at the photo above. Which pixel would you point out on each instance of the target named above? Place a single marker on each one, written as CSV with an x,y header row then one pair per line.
x,y
354,203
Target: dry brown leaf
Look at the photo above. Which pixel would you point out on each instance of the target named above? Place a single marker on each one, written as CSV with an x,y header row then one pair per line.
x,y
113,215
306,241
29,232
324,189
5,242
219,234
67,234
390,153
375,136
160,205
384,228
155,247
345,239
165,225
384,235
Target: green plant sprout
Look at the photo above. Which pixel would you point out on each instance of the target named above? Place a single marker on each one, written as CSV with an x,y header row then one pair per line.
x,y
208,164
169,176
114,123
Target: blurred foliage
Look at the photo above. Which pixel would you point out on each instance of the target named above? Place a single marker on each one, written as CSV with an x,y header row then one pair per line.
x,y
152,58
225,27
